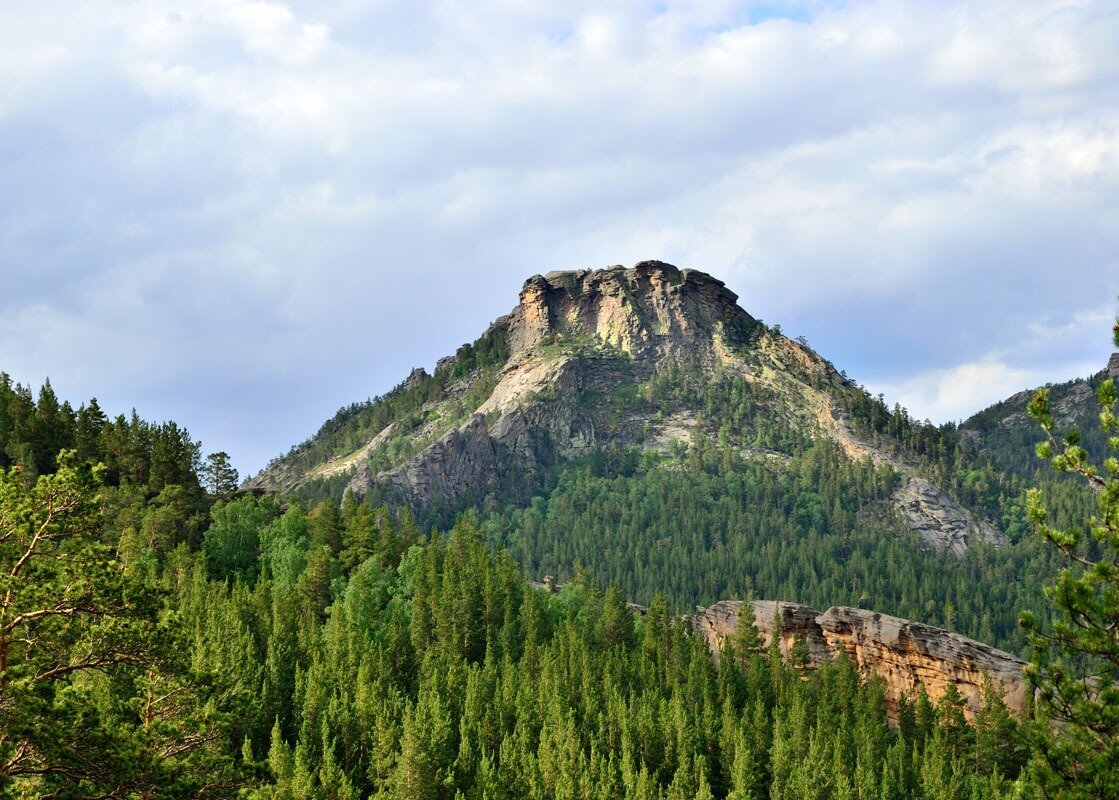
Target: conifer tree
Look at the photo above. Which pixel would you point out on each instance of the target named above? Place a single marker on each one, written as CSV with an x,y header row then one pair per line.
x,y
747,640
1075,668
96,696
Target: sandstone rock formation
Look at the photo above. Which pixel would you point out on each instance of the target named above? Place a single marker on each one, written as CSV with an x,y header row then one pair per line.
x,y
904,654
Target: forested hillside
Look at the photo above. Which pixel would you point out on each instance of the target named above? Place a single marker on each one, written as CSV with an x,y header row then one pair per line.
x,y
99,692
808,533
333,653
164,635
1005,432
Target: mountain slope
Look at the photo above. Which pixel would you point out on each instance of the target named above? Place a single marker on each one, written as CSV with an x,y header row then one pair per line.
x,y
1006,432
607,360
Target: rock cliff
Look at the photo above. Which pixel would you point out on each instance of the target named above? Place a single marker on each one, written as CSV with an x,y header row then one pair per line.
x,y
652,308
904,654
573,334
940,520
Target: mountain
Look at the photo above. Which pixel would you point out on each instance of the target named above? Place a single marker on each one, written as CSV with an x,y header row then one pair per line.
x,y
589,362
1006,432
627,427
638,427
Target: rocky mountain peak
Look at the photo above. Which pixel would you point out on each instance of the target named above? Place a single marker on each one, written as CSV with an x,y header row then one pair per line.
x,y
1113,366
649,309
589,361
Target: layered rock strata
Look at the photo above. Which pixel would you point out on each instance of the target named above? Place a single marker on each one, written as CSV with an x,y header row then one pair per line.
x,y
651,308
905,654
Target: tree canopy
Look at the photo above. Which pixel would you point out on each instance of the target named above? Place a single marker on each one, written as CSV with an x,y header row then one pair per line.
x,y
1076,661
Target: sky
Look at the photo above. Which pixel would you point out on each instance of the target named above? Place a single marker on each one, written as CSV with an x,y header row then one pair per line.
x,y
242,216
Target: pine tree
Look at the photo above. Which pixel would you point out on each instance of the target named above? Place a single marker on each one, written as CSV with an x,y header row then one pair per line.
x,y
1075,667
219,476
747,640
96,695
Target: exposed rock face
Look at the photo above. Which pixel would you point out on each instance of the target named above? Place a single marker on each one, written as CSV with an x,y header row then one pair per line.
x,y
941,521
1066,406
1113,366
909,654
904,654
461,463
796,621
529,421
648,309
415,377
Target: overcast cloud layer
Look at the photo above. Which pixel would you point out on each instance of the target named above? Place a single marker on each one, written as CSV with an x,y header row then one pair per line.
x,y
243,215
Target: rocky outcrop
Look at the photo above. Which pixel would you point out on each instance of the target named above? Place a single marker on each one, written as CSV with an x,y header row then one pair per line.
x,y
652,308
939,520
905,654
927,511
572,335
1113,366
910,654
461,464
530,422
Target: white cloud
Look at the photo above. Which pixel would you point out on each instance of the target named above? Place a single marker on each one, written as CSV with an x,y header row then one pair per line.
x,y
337,190
957,393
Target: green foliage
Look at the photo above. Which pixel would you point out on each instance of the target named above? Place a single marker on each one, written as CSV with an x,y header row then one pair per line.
x,y
218,474
747,641
136,453
712,524
340,653
232,544
491,350
1075,667
444,675
96,698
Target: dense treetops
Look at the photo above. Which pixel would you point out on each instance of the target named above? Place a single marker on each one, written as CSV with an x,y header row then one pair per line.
x,y
146,456
434,671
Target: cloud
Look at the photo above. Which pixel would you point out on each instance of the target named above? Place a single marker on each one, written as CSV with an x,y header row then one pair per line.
x,y
1045,352
957,393
303,200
